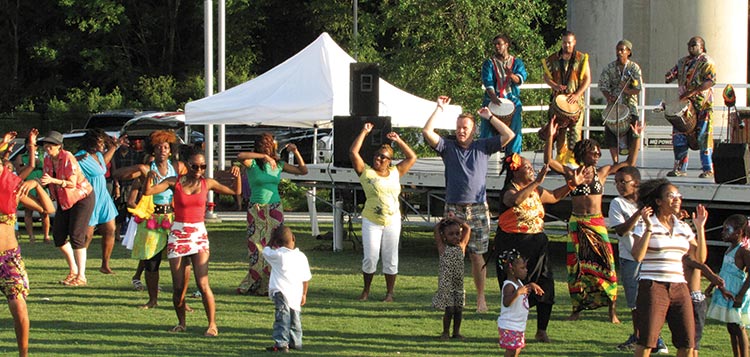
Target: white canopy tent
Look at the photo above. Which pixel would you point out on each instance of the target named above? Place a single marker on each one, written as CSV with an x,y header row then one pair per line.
x,y
309,89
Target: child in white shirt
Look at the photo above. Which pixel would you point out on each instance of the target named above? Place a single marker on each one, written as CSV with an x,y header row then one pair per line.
x,y
514,310
287,287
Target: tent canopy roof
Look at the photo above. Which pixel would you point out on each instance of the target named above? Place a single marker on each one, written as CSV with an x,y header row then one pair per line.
x,y
309,89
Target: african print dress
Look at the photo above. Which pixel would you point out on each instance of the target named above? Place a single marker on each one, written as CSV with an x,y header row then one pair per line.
x,y
592,281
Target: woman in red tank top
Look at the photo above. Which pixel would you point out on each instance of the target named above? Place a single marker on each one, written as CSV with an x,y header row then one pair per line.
x,y
188,239
14,281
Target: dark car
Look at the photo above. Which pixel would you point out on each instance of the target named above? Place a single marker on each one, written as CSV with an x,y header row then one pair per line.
x,y
240,138
112,121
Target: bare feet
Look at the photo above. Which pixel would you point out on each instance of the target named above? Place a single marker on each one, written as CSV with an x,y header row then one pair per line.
x,y
458,336
613,315
445,336
47,240
178,328
212,331
364,296
388,297
574,316
481,304
188,308
106,270
32,240
148,305
541,336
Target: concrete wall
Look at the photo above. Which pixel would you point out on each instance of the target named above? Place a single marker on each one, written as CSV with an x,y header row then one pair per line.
x,y
660,30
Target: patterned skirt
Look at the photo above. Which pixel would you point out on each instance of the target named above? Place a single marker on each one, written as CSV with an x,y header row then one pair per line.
x,y
261,221
187,239
151,235
592,281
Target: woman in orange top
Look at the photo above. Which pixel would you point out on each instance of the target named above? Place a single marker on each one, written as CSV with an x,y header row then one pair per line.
x,y
521,227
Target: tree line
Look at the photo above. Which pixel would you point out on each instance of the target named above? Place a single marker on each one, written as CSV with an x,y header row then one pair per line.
x,y
69,58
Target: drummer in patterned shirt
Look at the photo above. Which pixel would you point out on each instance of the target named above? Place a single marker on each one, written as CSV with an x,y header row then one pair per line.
x,y
620,83
567,72
695,75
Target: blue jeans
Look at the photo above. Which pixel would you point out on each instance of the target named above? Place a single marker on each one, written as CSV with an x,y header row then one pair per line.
x,y
287,326
629,279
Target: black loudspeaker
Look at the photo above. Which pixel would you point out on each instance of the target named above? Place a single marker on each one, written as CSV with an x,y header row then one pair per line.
x,y
731,163
364,89
346,129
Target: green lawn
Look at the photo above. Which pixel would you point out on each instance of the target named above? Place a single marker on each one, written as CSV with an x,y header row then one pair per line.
x,y
103,319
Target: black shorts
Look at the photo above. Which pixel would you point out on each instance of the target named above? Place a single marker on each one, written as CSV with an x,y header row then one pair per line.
x,y
74,223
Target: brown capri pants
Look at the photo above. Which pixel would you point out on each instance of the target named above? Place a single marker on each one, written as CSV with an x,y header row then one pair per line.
x,y
74,223
658,302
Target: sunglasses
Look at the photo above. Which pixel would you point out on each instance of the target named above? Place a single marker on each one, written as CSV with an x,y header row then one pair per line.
x,y
623,182
674,195
196,167
382,157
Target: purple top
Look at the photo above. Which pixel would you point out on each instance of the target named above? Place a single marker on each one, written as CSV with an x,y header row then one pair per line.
x,y
466,169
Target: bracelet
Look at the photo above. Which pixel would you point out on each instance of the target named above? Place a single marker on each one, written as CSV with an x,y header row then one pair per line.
x,y
647,231
237,164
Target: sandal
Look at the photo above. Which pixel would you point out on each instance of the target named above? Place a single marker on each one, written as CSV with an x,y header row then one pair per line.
x,y
211,332
77,282
68,279
137,285
178,328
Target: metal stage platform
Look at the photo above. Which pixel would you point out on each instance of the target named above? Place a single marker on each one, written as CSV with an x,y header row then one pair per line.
x,y
427,177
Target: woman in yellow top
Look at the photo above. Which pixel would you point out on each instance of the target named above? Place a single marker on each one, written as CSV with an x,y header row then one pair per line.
x,y
381,218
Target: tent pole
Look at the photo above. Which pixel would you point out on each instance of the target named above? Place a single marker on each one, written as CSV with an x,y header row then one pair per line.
x,y
209,76
221,75
312,193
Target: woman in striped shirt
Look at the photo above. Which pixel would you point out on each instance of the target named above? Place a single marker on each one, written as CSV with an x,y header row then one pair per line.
x,y
659,243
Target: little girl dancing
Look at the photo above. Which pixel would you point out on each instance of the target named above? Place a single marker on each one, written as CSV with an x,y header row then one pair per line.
x,y
451,236
514,310
732,305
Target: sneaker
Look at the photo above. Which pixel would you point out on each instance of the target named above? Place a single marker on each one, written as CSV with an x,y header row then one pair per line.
x,y
676,173
628,345
661,347
706,174
275,348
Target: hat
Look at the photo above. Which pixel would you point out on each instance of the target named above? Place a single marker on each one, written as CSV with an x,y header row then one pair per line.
x,y
627,44
53,137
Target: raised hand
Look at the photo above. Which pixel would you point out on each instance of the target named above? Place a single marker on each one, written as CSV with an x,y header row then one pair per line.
x,y
542,174
9,136
291,148
33,134
700,216
638,127
368,127
393,136
442,101
484,113
646,212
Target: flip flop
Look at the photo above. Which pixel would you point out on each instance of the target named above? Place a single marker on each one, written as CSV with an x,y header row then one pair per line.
x,y
137,285
211,332
77,282
177,329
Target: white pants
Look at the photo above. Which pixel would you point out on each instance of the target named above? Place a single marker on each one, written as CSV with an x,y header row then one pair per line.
x,y
380,241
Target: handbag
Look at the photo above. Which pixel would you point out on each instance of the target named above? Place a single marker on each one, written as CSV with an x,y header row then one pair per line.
x,y
68,197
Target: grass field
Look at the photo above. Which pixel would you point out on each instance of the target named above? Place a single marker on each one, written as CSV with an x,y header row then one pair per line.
x,y
103,318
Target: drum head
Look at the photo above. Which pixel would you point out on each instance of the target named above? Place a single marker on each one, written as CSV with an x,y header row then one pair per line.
x,y
505,108
616,112
562,105
676,107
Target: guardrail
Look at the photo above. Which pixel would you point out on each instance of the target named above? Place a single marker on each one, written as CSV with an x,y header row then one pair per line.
x,y
642,108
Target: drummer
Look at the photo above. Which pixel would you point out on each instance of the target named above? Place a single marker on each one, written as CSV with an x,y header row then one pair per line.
x,y
695,75
502,75
567,72
620,83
